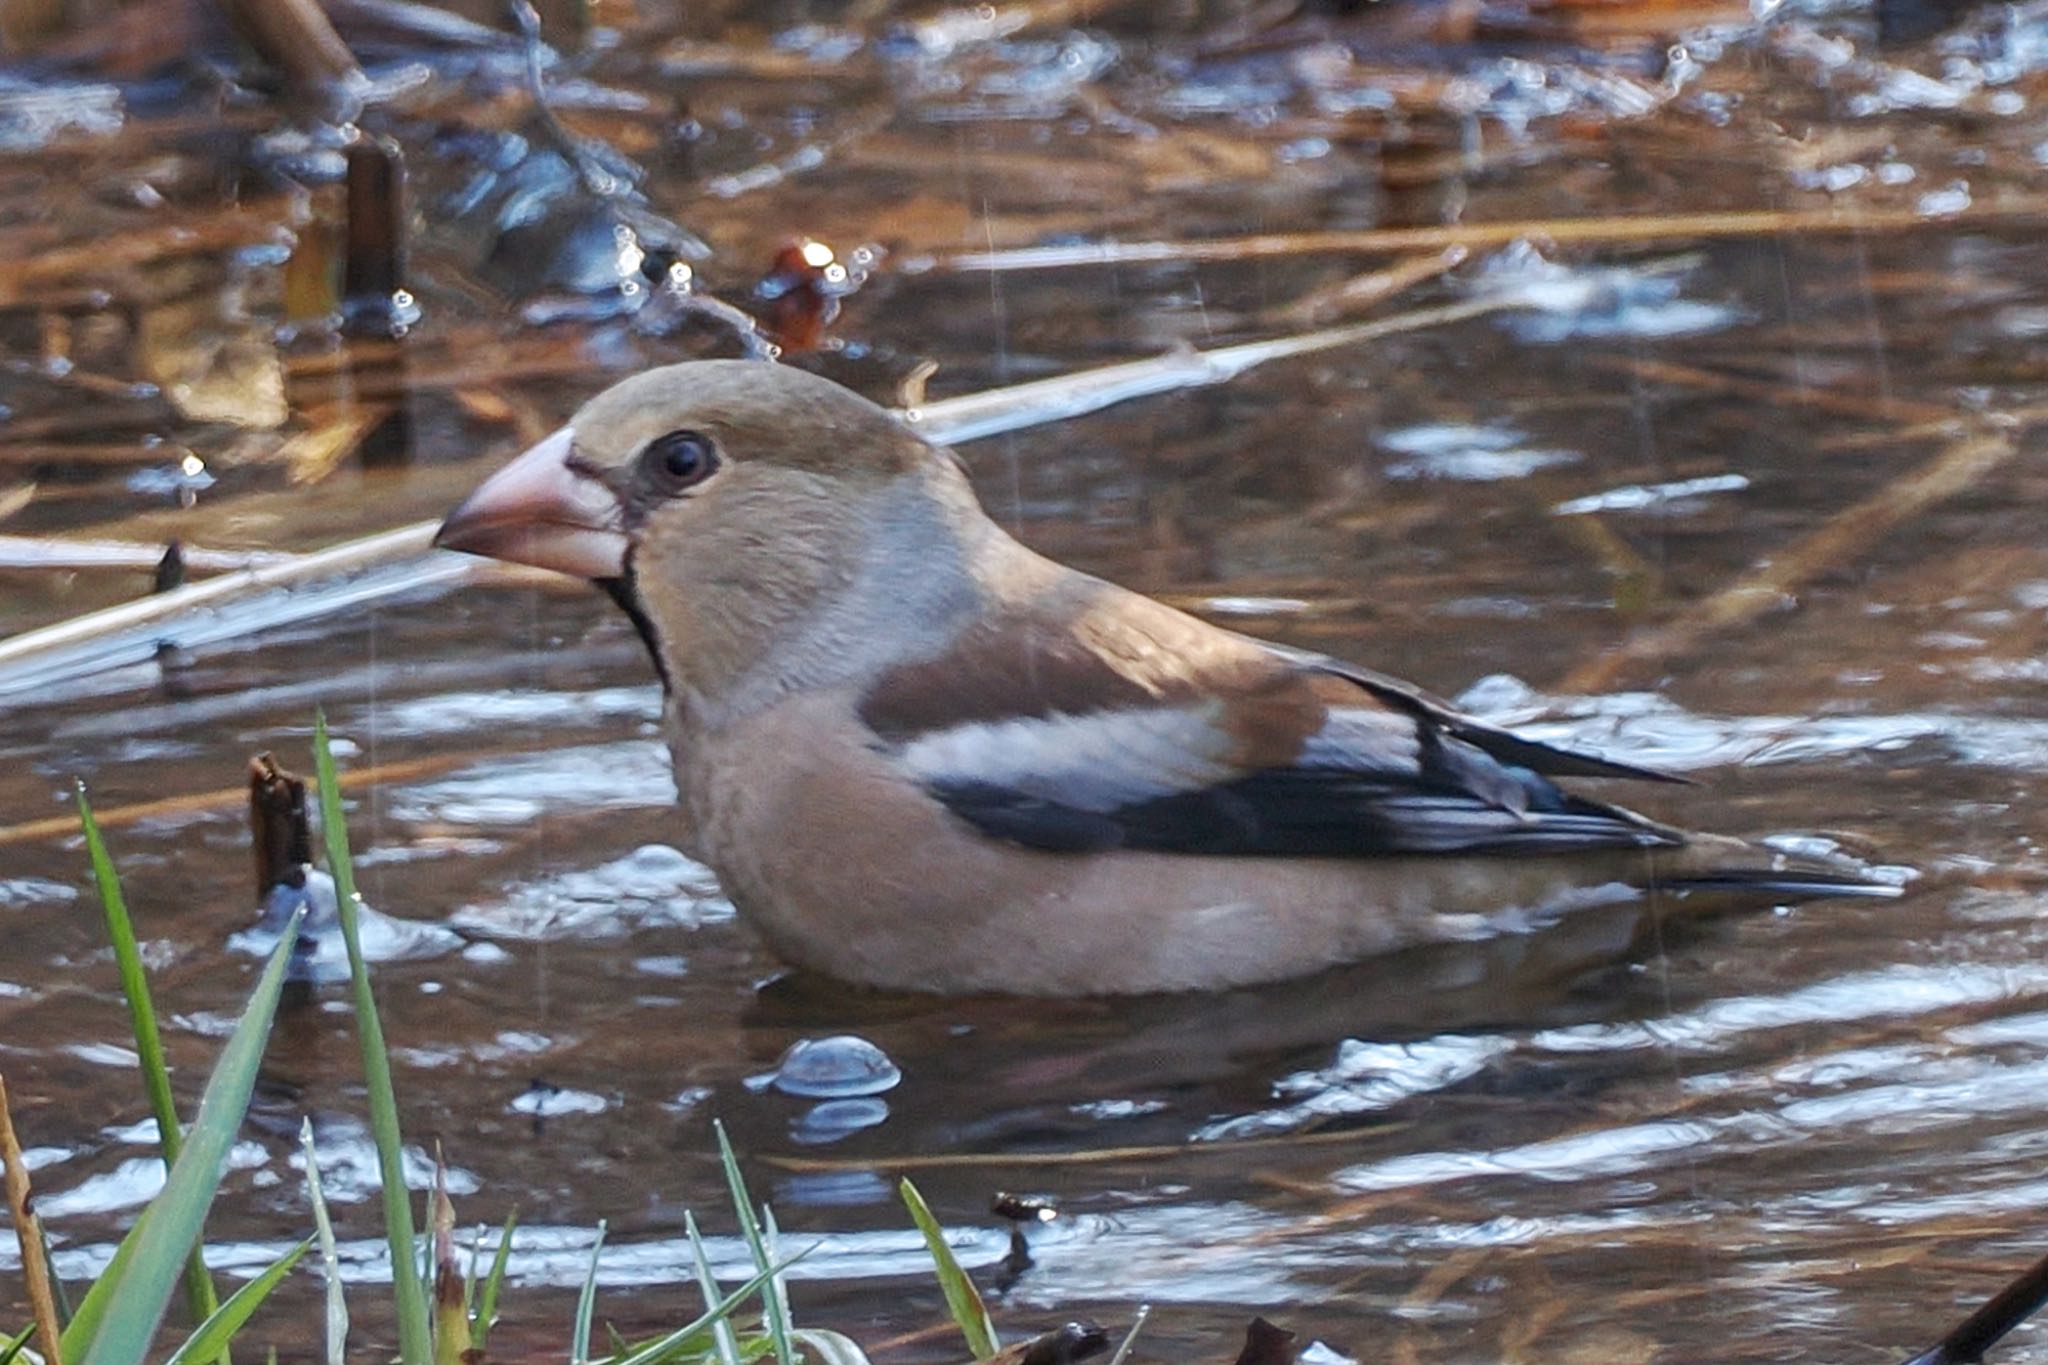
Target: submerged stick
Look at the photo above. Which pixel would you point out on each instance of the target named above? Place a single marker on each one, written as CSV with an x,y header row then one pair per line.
x,y
115,817
1562,231
28,1231
298,39
991,413
1775,392
1361,292
1094,1156
23,269
1962,465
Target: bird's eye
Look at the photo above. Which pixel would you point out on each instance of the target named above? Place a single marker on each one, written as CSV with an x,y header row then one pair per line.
x,y
680,459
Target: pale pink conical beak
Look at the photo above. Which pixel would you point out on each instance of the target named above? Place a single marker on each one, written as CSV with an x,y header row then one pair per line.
x,y
540,510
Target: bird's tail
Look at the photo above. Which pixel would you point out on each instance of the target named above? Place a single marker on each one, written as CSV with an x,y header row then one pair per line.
x,y
1730,867
1786,886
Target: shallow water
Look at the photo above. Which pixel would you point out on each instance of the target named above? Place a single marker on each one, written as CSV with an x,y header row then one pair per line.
x,y
1762,509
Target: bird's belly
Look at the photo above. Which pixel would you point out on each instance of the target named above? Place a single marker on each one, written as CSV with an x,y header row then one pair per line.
x,y
848,870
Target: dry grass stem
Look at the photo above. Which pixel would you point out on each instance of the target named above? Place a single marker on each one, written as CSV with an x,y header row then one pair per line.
x,y
1430,1291
1637,584
28,1231
1779,392
932,1161
58,553
1561,231
82,453
1361,292
221,230
1043,401
313,454
1768,587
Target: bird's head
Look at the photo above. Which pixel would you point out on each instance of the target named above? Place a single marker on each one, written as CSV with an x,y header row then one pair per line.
x,y
721,502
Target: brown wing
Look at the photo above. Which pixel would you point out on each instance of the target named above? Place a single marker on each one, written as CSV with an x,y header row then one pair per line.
x,y
1139,727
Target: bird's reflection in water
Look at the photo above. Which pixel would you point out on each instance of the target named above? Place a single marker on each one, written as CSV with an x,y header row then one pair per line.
x,y
995,1074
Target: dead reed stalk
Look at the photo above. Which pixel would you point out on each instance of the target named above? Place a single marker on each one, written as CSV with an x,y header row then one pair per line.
x,y
28,1231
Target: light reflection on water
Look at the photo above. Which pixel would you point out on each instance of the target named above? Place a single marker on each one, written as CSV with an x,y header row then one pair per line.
x,y
1656,731
652,887
519,790
1781,1114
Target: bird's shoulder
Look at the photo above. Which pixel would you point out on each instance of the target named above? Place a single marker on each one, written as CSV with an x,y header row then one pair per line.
x,y
1094,651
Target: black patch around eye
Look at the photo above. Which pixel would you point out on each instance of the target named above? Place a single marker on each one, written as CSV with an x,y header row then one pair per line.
x,y
679,459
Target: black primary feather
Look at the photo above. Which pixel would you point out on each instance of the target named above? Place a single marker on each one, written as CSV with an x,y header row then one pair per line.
x,y
1457,800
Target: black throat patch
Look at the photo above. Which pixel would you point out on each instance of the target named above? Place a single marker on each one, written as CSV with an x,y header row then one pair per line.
x,y
623,591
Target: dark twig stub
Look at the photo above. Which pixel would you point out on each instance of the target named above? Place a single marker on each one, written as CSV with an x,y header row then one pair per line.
x,y
278,829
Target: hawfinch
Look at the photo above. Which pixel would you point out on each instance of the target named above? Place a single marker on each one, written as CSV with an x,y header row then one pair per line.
x,y
921,756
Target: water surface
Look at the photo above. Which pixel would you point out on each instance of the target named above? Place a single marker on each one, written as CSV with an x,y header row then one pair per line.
x,y
1765,508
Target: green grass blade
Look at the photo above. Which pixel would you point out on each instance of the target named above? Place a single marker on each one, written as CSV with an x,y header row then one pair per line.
x,y
175,1218
662,1346
63,1300
415,1340
963,1300
426,1246
487,1301
476,1253
92,1309
14,1345
330,1257
586,1303
778,1287
214,1334
451,1333
773,1316
200,1299
707,1285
